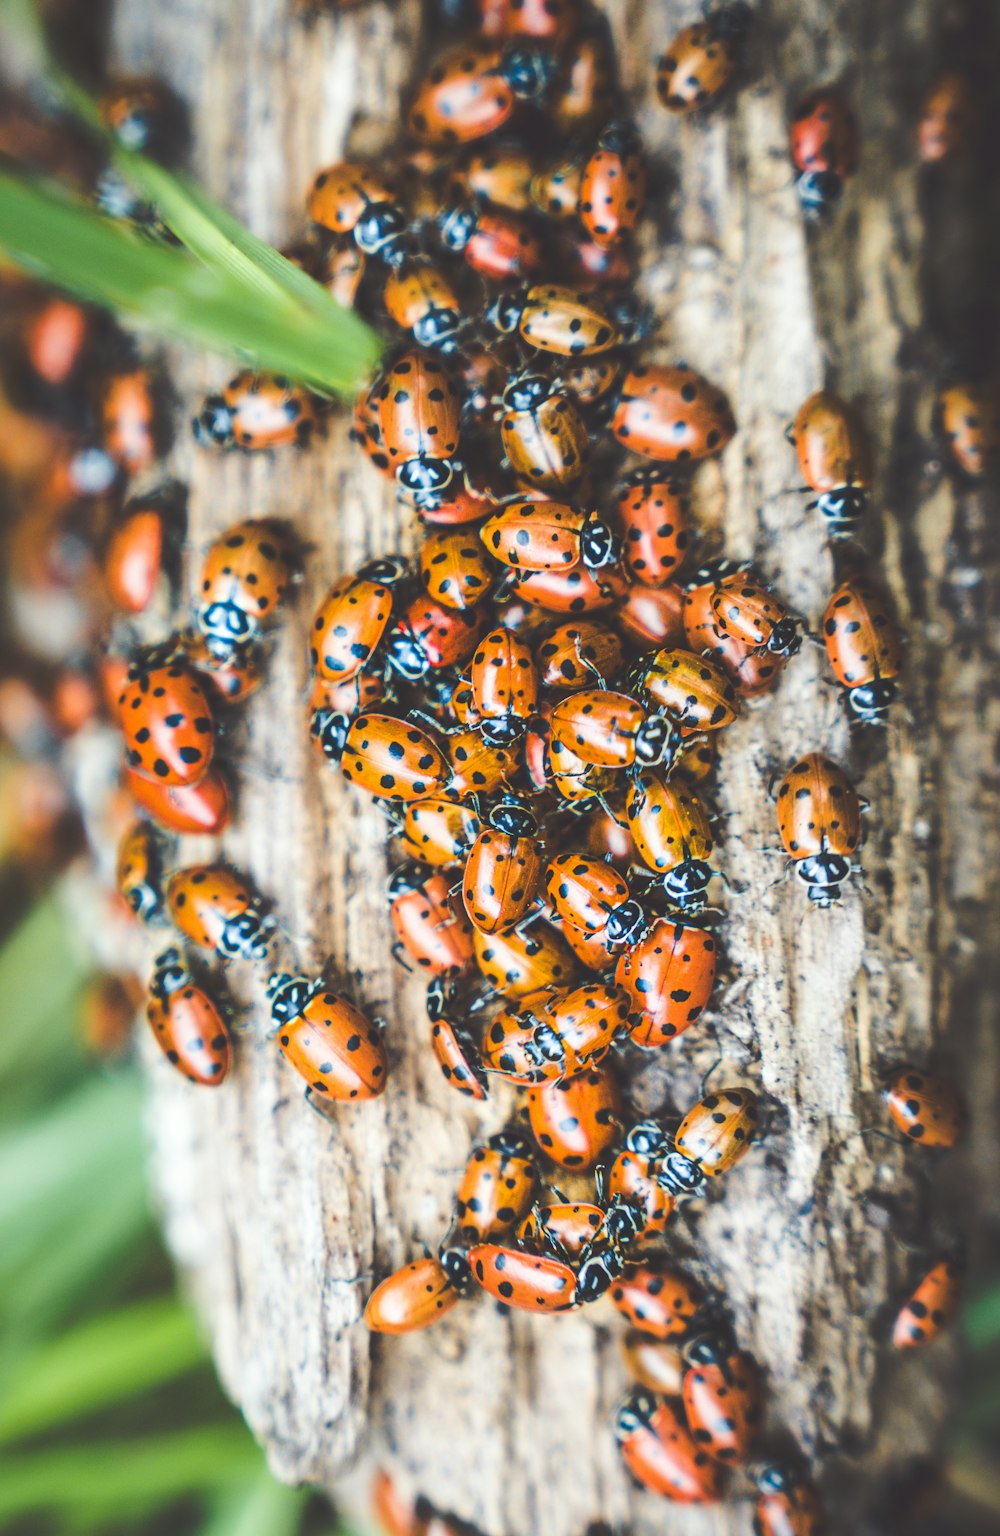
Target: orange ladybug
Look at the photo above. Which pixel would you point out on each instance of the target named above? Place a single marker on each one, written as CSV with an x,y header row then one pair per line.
x,y
421,298
578,652
672,414
835,459
650,617
245,577
528,1282
497,175
128,416
694,690
745,608
582,95
453,1047
392,759
256,412
214,907
463,97
430,928
702,60
555,190
672,835
494,242
751,672
166,721
632,1178
454,568
654,513
544,437
573,590
352,618
559,1228
969,421
653,1363
134,557
931,1307
328,1041
516,964
819,818
552,318
139,871
504,869
722,1397
418,408
555,1034
576,1122
669,974
609,730
478,765
864,647
787,1504
926,1108
412,1298
660,1452
658,1300
349,198
439,831
824,145
504,682
717,1132
186,1023
496,1190
234,678
613,185
549,536
205,807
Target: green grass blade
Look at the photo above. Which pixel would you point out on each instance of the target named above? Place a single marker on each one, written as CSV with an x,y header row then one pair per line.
x,y
33,990
266,1509
981,1319
104,1361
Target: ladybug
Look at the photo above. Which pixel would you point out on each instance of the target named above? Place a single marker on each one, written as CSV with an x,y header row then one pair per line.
x,y
694,690
592,382
864,648
464,96
544,436
348,699
930,1308
672,836
479,766
439,831
454,1048
328,1041
166,721
366,432
454,569
128,419
352,619
788,1505
949,118
556,1034
392,759
549,536
969,422
824,145
605,1257
430,636
722,1397
351,199
186,1023
552,318
581,97
752,673
139,871
145,115
529,1282
711,1138
504,869
55,341
543,21
256,411
576,653
418,413
672,414
504,682
134,558
572,590
743,607
244,579
661,1454
214,907
559,1228
835,459
233,679
591,949
555,190
429,926
650,617
696,759
668,973
342,272
412,1298
496,243
422,299
653,1363
575,1122
516,964
632,1178
613,185
610,730
926,1108
654,516
589,894
658,1300
702,60
819,818
497,1189
205,807
501,176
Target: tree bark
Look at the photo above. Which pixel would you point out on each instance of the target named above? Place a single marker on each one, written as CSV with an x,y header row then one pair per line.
x,y
282,1223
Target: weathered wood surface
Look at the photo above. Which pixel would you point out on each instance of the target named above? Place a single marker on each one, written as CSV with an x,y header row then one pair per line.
x,y
279,1222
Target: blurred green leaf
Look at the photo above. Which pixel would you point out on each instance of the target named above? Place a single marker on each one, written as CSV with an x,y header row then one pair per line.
x,y
981,1319
266,1509
34,990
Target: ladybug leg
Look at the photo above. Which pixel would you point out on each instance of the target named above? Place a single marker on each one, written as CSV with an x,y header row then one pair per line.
x,y
398,954
529,917
434,725
325,1108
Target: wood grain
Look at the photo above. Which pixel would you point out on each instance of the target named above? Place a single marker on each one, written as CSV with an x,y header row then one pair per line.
x,y
279,1222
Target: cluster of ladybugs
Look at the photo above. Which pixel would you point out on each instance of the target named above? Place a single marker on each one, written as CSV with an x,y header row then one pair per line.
x,y
535,699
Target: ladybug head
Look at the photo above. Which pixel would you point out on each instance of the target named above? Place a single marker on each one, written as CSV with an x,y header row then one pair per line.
x,y
438,329
656,740
785,639
623,1222
513,817
504,314
626,924
819,193
329,728
599,544
679,1176
440,995
169,973
620,138
420,474
502,730
456,227
869,703
824,874
381,231
648,1138
454,1260
404,878
545,1046
288,995
226,626
528,71
842,509
633,1413
389,570
526,392
594,1277
707,1349
510,1144
117,199
687,882
774,1476
213,425
406,656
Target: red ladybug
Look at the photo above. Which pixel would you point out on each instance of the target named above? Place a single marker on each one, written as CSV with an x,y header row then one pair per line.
x,y
610,730
528,1282
480,766
752,673
711,1138
668,973
788,1505
722,1397
504,682
544,437
504,869
549,536
653,1363
552,318
330,1043
702,60
412,1298
55,341
430,636
392,759
430,927
421,298
128,417
577,1121
694,690
352,619
516,964
496,243
650,617
255,412
244,579
349,198
497,1189
167,722
577,653
660,1453
931,1307
454,570
590,895
654,515
418,413
835,459
633,1178
214,907
864,647
454,1049
613,186
575,590
672,835
926,1108
134,558
559,1228
824,145
205,807
744,608
139,871
819,818
672,414
464,96
657,1299
186,1023
554,1035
